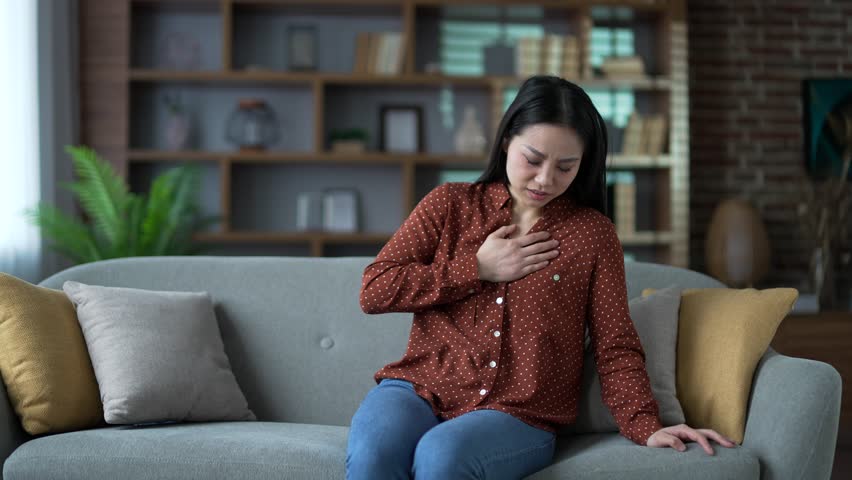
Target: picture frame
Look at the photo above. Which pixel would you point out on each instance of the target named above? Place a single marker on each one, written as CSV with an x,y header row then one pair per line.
x,y
824,101
340,210
302,48
401,128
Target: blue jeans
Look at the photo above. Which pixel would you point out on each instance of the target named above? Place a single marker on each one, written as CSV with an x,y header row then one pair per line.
x,y
395,435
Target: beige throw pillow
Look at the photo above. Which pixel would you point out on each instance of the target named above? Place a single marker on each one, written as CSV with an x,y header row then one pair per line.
x,y
722,335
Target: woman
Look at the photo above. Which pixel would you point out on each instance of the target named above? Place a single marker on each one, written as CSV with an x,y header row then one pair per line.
x,y
503,276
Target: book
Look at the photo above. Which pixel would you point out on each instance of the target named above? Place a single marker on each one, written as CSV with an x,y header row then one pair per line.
x,y
655,134
634,135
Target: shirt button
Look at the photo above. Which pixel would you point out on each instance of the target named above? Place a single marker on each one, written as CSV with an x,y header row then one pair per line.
x,y
556,278
471,291
492,364
499,300
497,333
483,391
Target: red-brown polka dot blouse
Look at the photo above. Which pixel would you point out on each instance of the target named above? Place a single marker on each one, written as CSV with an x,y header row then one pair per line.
x,y
515,346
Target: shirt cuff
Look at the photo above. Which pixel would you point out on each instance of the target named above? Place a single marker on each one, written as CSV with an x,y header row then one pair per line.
x,y
643,427
464,273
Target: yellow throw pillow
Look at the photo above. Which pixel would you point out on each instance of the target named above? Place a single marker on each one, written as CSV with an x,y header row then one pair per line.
x,y
44,360
722,334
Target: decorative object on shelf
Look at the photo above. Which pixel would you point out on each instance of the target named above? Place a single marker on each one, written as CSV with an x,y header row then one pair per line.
x,y
177,127
401,128
736,248
379,53
309,211
302,48
180,51
124,224
340,210
824,210
470,137
351,140
824,213
433,68
253,125
623,67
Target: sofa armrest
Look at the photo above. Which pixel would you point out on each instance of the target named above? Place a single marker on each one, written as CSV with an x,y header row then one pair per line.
x,y
793,416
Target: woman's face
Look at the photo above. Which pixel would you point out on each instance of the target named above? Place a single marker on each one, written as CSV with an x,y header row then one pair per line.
x,y
541,163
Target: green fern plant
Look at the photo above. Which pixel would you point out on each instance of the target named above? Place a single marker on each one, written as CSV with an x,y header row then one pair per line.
x,y
123,224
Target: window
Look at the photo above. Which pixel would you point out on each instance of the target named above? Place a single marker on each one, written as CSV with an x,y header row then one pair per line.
x,y
19,185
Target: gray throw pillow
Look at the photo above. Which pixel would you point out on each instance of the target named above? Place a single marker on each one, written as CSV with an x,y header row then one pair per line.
x,y
157,356
656,320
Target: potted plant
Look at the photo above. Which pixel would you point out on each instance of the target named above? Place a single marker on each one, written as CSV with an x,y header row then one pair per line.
x,y
350,140
122,223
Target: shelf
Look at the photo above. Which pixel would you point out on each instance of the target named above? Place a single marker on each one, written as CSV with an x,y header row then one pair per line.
x,y
151,156
269,76
635,239
643,239
639,161
293,237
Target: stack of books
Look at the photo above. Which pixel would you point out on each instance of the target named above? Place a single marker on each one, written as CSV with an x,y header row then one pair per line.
x,y
623,67
644,135
379,53
552,54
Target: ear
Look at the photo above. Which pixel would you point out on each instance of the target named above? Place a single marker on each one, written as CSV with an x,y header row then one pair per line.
x,y
505,144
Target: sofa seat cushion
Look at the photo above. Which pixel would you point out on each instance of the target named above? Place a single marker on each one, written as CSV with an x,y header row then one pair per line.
x,y
226,450
267,450
609,456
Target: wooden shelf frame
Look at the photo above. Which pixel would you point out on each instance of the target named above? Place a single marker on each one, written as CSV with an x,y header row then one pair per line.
x,y
110,79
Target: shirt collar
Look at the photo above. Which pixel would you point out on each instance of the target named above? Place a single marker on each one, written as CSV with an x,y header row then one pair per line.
x,y
500,196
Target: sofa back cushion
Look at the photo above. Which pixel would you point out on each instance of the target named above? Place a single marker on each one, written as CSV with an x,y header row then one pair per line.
x,y
299,345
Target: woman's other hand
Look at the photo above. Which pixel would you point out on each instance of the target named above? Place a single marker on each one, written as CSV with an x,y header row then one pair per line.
x,y
502,259
673,437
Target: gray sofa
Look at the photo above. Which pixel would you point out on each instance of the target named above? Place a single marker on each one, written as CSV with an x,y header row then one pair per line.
x,y
304,354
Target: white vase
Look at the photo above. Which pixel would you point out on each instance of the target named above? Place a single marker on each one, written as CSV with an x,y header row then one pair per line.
x,y
177,131
470,137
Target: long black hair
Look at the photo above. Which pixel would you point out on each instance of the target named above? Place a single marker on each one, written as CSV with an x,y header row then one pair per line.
x,y
554,100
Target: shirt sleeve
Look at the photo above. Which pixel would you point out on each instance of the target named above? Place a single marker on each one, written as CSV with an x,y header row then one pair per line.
x,y
619,357
406,277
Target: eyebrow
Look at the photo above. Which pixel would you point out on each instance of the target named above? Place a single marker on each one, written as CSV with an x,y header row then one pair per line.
x,y
539,154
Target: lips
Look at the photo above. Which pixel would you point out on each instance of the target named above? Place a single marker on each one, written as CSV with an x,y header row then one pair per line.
x,y
537,195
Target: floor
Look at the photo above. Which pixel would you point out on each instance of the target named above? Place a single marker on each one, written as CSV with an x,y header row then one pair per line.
x,y
843,456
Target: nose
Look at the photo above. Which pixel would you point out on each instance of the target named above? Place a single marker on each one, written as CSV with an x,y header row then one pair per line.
x,y
545,176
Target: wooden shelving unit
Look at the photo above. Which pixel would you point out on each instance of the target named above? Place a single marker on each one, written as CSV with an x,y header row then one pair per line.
x,y
122,81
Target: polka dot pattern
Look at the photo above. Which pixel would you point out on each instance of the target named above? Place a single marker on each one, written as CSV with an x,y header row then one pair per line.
x,y
517,346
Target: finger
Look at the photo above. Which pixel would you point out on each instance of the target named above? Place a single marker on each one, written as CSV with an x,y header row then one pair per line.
x,y
541,257
698,437
539,247
531,238
503,231
718,437
533,268
675,443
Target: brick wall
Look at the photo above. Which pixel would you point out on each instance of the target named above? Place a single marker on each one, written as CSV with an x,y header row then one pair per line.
x,y
747,60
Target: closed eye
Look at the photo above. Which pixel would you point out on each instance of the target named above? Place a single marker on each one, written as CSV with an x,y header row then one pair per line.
x,y
564,170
